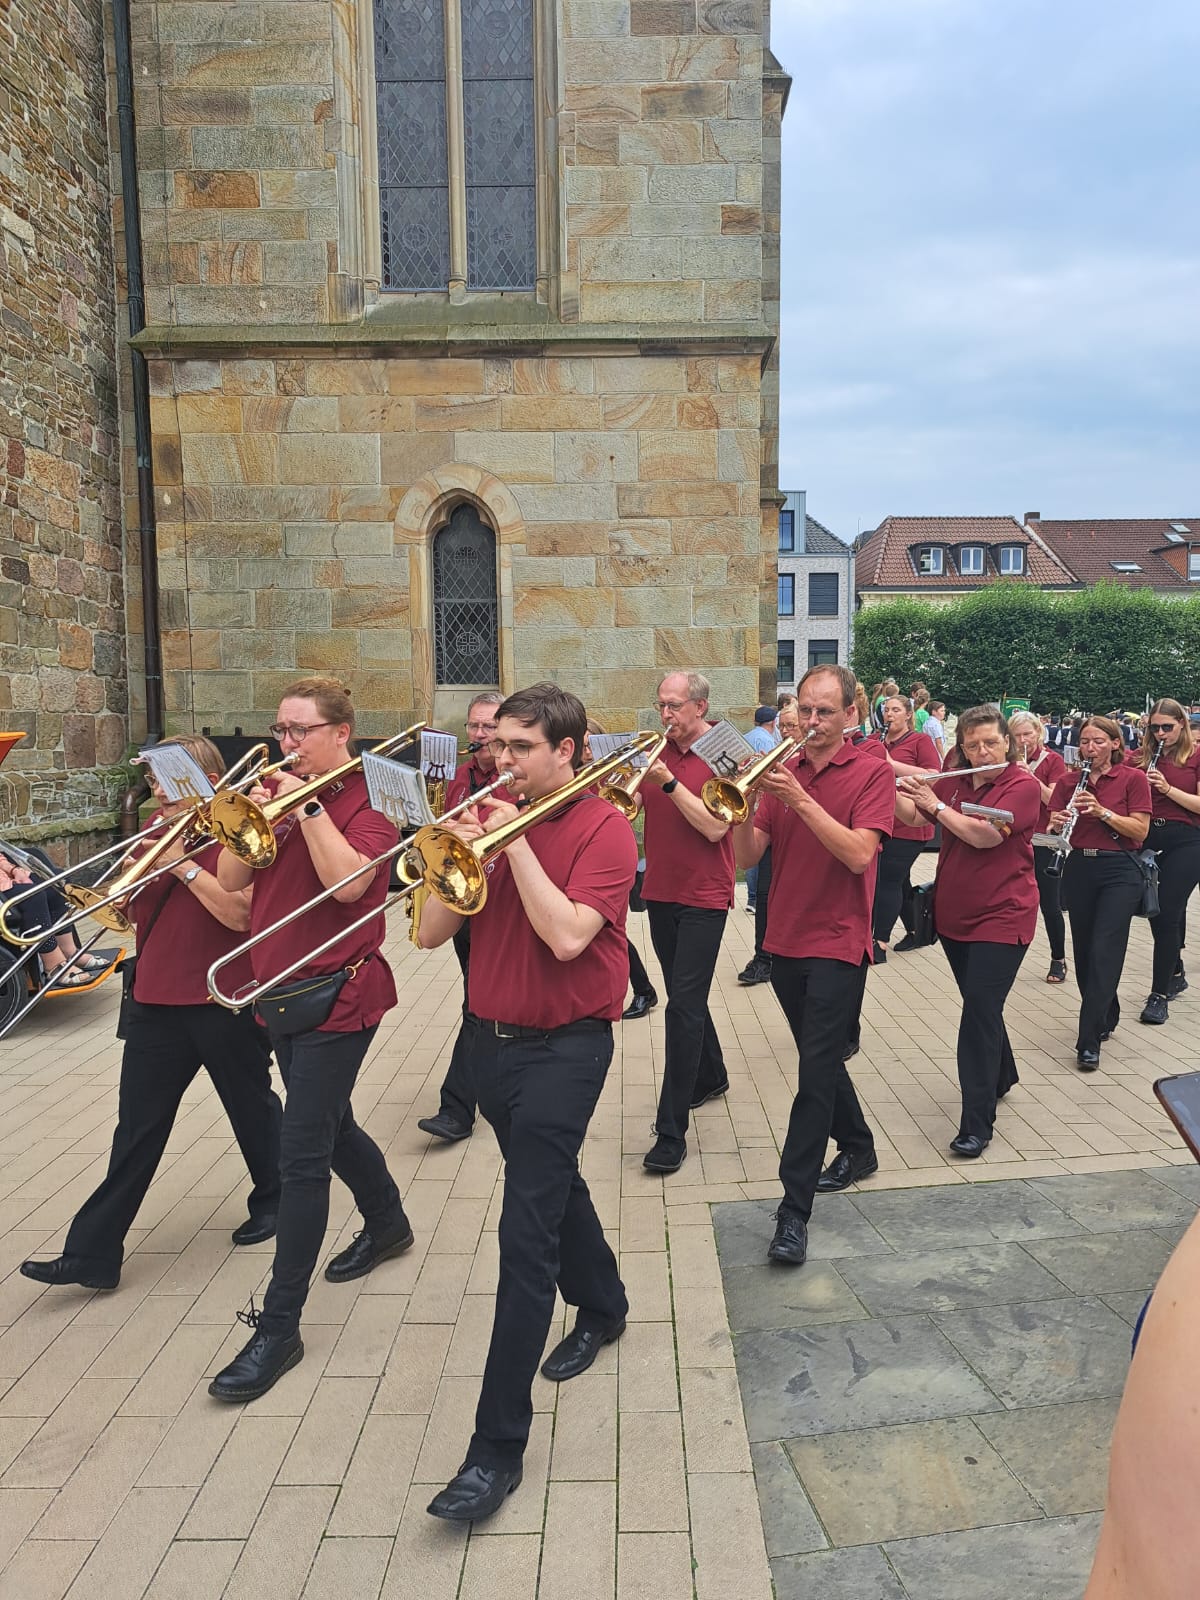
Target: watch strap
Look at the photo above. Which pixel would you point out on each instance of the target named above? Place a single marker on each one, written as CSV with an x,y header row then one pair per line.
x,y
669,788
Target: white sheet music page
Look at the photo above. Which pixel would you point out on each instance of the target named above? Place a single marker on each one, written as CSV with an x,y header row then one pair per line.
x,y
608,744
439,755
179,775
396,790
724,749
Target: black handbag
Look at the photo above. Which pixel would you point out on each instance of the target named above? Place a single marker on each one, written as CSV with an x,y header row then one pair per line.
x,y
916,913
1147,865
302,1006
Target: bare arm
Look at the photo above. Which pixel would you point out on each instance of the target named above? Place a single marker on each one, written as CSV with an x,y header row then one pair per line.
x,y
692,807
749,844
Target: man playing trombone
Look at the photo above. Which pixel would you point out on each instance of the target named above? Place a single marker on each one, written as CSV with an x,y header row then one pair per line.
x,y
319,842
185,919
546,982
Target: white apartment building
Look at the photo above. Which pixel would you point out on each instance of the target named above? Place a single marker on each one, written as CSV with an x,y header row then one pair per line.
x,y
816,593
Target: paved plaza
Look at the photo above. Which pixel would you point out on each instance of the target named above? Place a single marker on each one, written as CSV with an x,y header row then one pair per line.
x,y
990,1304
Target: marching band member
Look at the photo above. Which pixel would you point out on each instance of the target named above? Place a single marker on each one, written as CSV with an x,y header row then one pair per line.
x,y
1102,885
1175,839
455,1115
985,905
1047,767
185,920
688,890
547,981
906,751
823,814
317,846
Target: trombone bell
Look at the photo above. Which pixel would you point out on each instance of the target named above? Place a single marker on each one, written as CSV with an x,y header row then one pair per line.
x,y
241,827
88,903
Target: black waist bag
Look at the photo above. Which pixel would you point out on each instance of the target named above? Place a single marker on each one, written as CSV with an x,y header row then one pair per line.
x,y
1147,864
917,914
302,1006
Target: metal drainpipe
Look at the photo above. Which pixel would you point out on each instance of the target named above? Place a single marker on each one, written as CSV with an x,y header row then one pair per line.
x,y
140,384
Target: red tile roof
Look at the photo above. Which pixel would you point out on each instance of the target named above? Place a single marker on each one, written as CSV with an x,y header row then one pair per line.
x,y
1090,547
885,559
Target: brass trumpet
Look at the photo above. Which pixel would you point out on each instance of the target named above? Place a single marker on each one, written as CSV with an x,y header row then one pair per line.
x,y
728,799
622,790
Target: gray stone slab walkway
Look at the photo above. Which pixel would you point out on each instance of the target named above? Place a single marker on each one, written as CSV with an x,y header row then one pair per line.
x,y
929,1400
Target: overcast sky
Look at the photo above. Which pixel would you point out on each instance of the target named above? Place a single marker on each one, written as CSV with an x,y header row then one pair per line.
x,y
991,258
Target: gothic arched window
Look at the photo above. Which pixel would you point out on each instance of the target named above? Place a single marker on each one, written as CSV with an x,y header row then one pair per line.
x,y
465,609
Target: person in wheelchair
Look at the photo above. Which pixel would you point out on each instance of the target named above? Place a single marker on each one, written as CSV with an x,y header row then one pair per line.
x,y
42,910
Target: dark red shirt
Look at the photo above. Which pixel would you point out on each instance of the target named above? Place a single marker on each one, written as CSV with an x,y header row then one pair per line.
x,y
913,750
681,864
989,896
1123,789
816,906
589,852
1183,777
467,780
1049,769
292,879
184,940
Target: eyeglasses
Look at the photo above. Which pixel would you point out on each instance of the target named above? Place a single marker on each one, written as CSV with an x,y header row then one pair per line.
x,y
519,750
481,727
673,705
1161,727
297,732
824,712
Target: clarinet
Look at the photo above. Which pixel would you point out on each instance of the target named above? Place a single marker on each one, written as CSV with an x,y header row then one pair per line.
x,y
1152,764
1055,866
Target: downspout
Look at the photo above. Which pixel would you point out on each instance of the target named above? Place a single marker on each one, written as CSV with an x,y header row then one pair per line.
x,y
140,385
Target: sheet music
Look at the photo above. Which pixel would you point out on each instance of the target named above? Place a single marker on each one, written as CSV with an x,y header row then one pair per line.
x,y
439,755
724,749
179,775
398,791
608,744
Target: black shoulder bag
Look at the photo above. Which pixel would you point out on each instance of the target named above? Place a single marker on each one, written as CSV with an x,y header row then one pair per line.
x,y
129,968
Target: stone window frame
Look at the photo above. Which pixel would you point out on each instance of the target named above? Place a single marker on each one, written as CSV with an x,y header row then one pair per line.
x,y
546,196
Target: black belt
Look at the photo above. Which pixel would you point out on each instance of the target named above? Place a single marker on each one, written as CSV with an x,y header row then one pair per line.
x,y
514,1030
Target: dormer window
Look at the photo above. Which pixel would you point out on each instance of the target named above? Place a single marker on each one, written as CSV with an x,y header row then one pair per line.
x,y
1012,560
970,560
929,560
1194,566
1125,566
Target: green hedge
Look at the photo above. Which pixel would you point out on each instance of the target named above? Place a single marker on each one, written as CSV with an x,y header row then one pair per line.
x,y
1093,649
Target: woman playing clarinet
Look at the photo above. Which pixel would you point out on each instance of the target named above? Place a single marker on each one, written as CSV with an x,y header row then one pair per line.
x,y
1171,761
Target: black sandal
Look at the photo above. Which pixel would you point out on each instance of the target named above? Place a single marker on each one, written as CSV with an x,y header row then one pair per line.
x,y
1057,973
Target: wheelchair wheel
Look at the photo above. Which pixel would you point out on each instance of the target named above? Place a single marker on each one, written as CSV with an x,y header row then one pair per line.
x,y
14,991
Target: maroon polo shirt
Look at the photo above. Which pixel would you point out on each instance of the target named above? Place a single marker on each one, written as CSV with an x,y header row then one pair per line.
x,y
589,852
989,896
1049,769
183,941
1123,789
292,879
681,864
914,750
816,906
467,780
1183,777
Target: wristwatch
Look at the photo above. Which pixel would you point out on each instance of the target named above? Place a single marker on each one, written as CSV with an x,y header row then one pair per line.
x,y
311,808
191,874
669,788
1106,816
939,808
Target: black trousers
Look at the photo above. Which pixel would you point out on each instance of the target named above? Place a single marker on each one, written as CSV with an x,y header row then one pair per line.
x,y
895,864
987,1069
1050,900
760,905
539,1095
165,1047
816,994
639,978
1101,894
457,1098
687,940
319,1135
1177,845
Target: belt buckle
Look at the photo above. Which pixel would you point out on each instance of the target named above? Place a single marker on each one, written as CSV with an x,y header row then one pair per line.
x,y
499,1035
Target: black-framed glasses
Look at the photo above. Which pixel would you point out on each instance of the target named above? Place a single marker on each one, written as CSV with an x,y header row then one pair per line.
x,y
296,731
519,749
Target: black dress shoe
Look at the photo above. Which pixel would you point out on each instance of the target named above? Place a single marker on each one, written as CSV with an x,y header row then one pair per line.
x,y
444,1126
366,1251
476,1493
909,942
258,1367
666,1155
72,1269
640,1006
1155,1010
1088,1060
578,1350
790,1244
878,953
969,1146
711,1094
255,1229
846,1169
756,971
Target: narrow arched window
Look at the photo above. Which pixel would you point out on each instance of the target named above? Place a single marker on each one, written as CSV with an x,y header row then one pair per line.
x,y
465,609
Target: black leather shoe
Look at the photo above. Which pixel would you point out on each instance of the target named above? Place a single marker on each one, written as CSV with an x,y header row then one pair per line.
x,y
756,971
969,1146
666,1155
909,942
640,1006
878,954
1155,1010
844,1170
258,1367
577,1351
1088,1060
255,1229
366,1252
71,1269
712,1094
1178,983
444,1126
476,1493
790,1244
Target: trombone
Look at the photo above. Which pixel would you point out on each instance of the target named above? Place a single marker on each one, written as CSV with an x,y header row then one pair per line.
x,y
621,790
247,829
728,799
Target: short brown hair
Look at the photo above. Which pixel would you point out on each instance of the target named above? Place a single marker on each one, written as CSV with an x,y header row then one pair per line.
x,y
979,717
558,713
330,696
847,682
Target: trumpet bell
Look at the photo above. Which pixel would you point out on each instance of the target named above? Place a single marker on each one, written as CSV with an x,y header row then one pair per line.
x,y
88,901
451,869
621,798
725,801
240,827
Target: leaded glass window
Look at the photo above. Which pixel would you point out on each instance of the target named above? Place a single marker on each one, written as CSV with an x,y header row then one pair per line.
x,y
465,611
455,92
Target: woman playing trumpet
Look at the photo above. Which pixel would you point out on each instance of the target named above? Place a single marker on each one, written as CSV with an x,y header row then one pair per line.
x,y
985,905
1171,761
